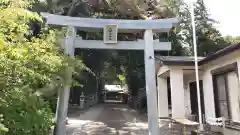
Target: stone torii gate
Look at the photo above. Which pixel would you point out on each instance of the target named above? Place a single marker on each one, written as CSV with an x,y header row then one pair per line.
x,y
116,26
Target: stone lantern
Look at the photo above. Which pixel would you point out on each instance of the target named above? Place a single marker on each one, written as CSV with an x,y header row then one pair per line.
x,y
82,100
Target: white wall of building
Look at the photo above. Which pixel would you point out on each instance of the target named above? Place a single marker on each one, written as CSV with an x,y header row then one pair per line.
x,y
163,110
177,93
178,72
180,93
208,94
208,82
234,92
238,65
187,101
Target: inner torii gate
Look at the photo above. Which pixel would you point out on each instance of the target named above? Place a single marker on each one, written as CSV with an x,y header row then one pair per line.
x,y
123,26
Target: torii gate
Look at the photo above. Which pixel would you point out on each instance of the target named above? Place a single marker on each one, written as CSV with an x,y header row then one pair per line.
x,y
124,26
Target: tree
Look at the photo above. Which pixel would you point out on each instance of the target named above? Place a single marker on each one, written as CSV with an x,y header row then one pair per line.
x,y
232,40
209,39
32,66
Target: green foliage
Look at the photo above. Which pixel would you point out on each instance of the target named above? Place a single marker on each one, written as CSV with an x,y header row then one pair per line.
x,y
32,67
232,40
3,129
121,77
25,113
209,39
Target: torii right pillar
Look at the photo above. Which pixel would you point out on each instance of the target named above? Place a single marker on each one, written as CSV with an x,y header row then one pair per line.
x,y
151,89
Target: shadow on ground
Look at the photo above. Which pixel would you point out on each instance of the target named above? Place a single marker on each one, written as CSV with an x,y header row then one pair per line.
x,y
114,119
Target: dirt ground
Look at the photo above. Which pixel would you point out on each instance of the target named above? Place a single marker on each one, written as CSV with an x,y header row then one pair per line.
x,y
108,119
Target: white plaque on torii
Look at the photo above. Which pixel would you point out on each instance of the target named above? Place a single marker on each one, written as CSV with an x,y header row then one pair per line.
x,y
110,34
122,26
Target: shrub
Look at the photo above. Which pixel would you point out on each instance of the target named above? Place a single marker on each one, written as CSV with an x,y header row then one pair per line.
x,y
29,66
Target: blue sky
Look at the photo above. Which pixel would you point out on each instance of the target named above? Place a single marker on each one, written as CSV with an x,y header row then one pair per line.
x,y
227,12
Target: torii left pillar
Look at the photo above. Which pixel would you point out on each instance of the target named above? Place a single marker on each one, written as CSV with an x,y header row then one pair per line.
x,y
64,93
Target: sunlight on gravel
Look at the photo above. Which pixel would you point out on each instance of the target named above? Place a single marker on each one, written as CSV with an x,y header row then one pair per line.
x,y
73,121
113,120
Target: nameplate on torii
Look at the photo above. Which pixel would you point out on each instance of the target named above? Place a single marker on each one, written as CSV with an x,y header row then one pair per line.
x,y
110,33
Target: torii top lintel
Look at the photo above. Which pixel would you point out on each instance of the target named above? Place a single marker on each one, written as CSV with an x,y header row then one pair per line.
x,y
93,24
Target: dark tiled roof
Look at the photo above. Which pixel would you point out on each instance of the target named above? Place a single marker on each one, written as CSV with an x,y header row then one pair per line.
x,y
227,50
189,60
172,60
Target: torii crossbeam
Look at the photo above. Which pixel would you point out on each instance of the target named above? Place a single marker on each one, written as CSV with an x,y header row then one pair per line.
x,y
124,26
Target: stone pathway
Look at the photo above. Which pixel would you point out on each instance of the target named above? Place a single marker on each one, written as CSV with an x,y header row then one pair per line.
x,y
80,118
108,119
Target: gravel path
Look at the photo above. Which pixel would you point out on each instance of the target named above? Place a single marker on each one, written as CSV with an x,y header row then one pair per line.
x,y
108,119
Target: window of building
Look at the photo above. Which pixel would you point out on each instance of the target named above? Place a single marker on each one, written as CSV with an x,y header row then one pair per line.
x,y
221,97
227,93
